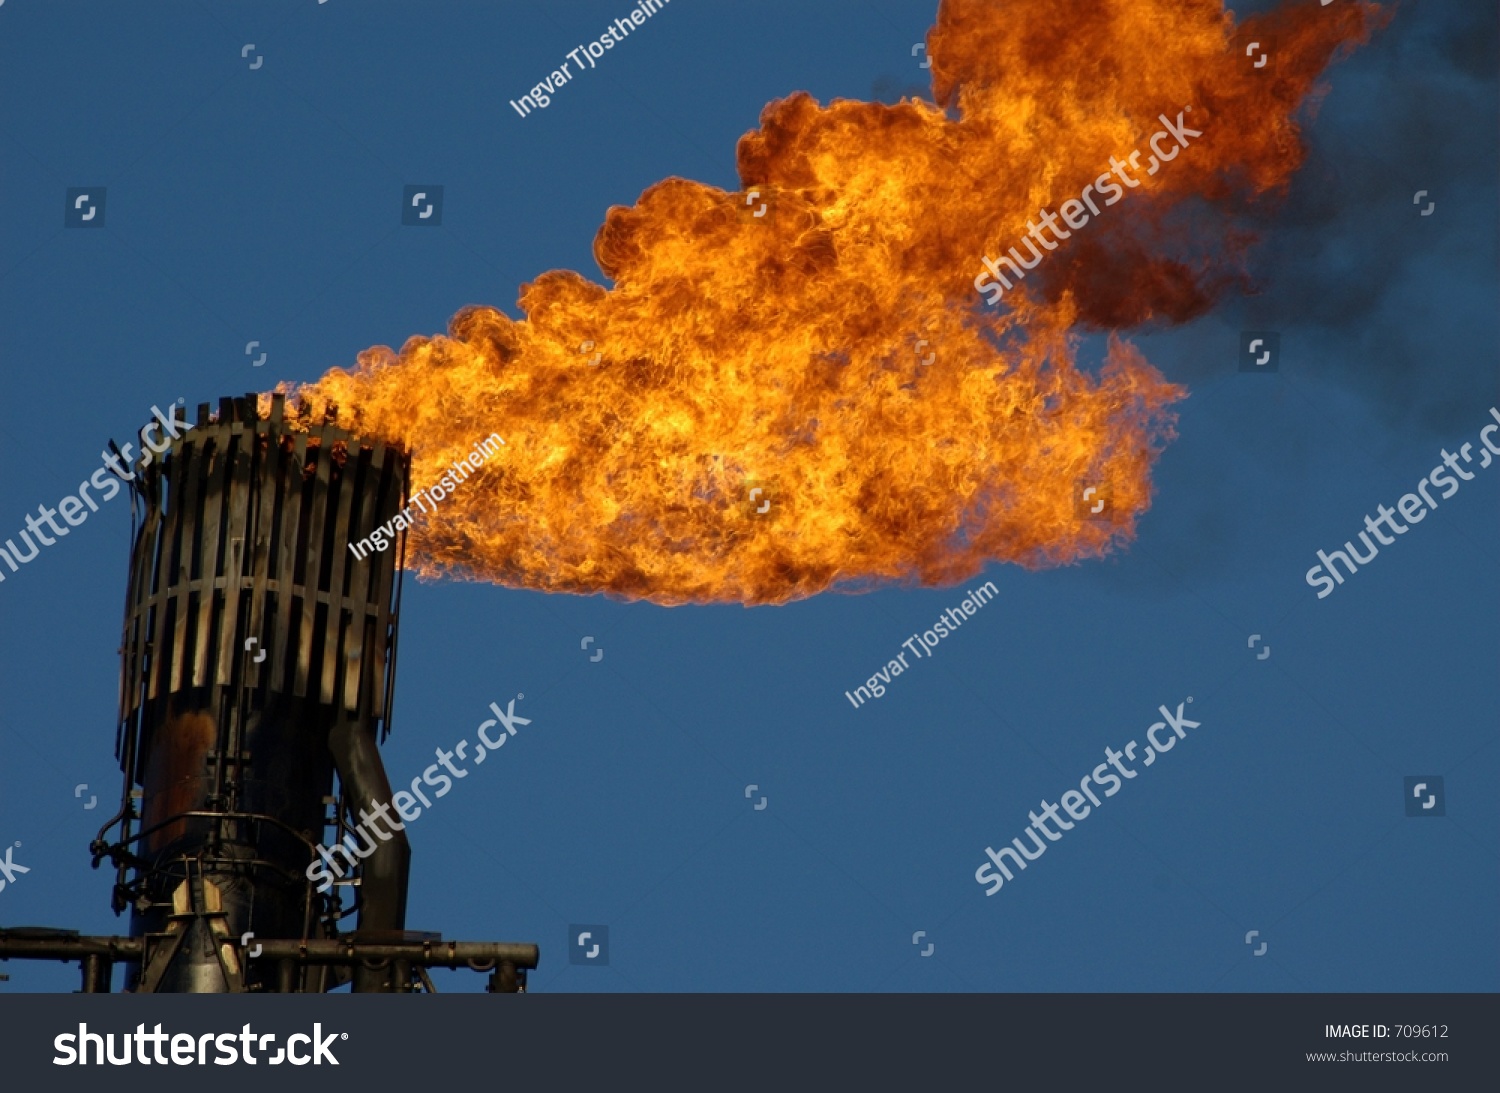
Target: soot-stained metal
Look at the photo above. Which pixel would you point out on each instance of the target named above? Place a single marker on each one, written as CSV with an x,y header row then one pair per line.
x,y
258,666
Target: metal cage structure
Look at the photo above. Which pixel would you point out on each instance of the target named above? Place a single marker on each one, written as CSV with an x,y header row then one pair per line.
x,y
258,664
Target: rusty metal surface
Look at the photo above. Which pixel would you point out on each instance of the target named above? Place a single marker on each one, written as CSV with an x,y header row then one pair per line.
x,y
242,533
250,621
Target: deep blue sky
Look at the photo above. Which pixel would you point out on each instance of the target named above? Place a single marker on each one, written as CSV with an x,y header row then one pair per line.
x,y
264,205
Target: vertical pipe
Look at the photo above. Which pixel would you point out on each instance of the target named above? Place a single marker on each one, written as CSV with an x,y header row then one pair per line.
x,y
384,872
506,979
96,974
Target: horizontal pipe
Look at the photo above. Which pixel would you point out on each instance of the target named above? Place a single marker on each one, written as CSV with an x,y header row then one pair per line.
x,y
430,954
71,947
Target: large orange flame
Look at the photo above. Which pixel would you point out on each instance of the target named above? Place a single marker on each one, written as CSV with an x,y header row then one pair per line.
x,y
767,406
